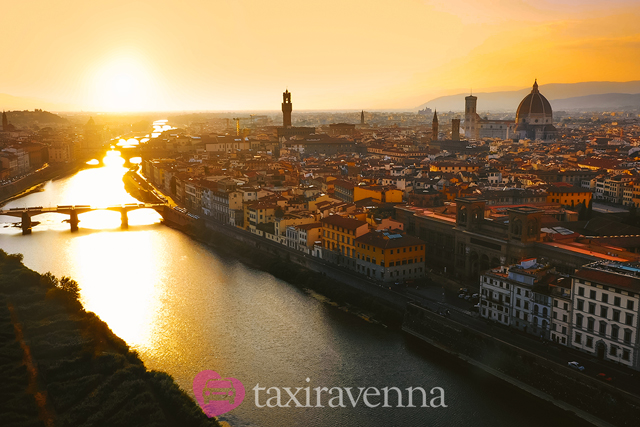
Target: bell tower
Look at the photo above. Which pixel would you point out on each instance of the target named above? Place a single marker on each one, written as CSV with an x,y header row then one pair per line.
x,y
434,126
470,212
524,224
471,130
287,107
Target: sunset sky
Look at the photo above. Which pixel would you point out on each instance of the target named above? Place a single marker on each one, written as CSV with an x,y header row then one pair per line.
x,y
331,54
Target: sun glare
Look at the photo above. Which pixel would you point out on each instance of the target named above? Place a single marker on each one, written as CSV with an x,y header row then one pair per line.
x,y
123,84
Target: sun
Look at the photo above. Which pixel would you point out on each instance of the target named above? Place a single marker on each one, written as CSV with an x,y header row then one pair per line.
x,y
123,84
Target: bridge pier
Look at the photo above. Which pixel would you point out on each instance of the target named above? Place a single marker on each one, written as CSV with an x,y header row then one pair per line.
x,y
124,220
26,223
73,220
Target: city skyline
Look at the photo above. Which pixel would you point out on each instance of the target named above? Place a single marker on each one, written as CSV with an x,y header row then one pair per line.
x,y
156,57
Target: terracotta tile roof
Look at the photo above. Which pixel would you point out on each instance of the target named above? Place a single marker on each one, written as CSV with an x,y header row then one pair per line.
x,y
340,221
609,278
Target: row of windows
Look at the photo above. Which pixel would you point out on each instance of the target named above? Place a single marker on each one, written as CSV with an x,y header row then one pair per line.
x,y
605,298
391,263
613,350
404,250
340,229
602,329
604,311
565,305
333,236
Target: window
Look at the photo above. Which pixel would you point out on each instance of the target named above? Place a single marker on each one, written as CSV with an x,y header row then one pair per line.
x,y
603,328
613,351
630,305
578,338
603,312
605,298
629,319
616,301
518,291
564,317
614,332
580,291
580,305
579,321
592,294
625,354
526,305
592,308
589,341
590,323
627,336
616,315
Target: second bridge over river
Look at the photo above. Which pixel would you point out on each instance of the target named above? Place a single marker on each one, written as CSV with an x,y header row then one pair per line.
x,y
25,214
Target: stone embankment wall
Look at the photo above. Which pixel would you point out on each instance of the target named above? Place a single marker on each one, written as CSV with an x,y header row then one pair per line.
x,y
561,385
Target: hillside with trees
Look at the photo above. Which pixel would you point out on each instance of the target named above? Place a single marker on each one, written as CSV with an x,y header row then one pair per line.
x,y
63,366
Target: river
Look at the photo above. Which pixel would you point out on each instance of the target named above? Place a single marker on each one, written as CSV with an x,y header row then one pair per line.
x,y
185,309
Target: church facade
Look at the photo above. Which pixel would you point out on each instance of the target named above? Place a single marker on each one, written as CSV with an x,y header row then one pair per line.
x,y
534,120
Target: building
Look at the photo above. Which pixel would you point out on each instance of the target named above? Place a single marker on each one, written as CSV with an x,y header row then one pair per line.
x,y
340,129
303,237
460,240
606,311
561,312
568,195
226,143
389,256
475,127
287,107
288,131
534,117
338,238
519,296
434,126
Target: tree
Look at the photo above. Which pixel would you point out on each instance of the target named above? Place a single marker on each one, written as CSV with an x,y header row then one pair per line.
x,y
70,287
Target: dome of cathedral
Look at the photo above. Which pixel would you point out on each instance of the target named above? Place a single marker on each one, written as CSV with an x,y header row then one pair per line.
x,y
534,104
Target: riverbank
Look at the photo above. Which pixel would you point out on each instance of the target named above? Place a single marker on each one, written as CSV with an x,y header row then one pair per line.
x,y
35,182
64,366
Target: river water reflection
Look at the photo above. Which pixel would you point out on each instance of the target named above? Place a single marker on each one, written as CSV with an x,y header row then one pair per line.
x,y
185,308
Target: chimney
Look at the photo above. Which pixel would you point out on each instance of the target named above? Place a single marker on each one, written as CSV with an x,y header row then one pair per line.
x,y
455,129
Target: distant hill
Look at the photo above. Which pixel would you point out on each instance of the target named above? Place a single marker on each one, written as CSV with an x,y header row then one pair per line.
x,y
23,119
570,96
606,101
10,102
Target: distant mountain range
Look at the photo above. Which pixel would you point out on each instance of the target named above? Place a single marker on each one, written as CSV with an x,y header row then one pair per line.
x,y
10,102
570,96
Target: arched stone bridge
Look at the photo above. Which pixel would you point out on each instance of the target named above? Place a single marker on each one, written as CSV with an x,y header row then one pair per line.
x,y
73,211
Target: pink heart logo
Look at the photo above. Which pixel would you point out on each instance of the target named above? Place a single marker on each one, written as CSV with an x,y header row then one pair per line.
x,y
217,395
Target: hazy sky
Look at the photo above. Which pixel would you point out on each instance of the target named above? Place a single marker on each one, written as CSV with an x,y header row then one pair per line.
x,y
241,54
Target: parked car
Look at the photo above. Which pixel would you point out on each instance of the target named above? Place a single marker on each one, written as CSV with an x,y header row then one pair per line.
x,y
604,377
463,291
576,365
